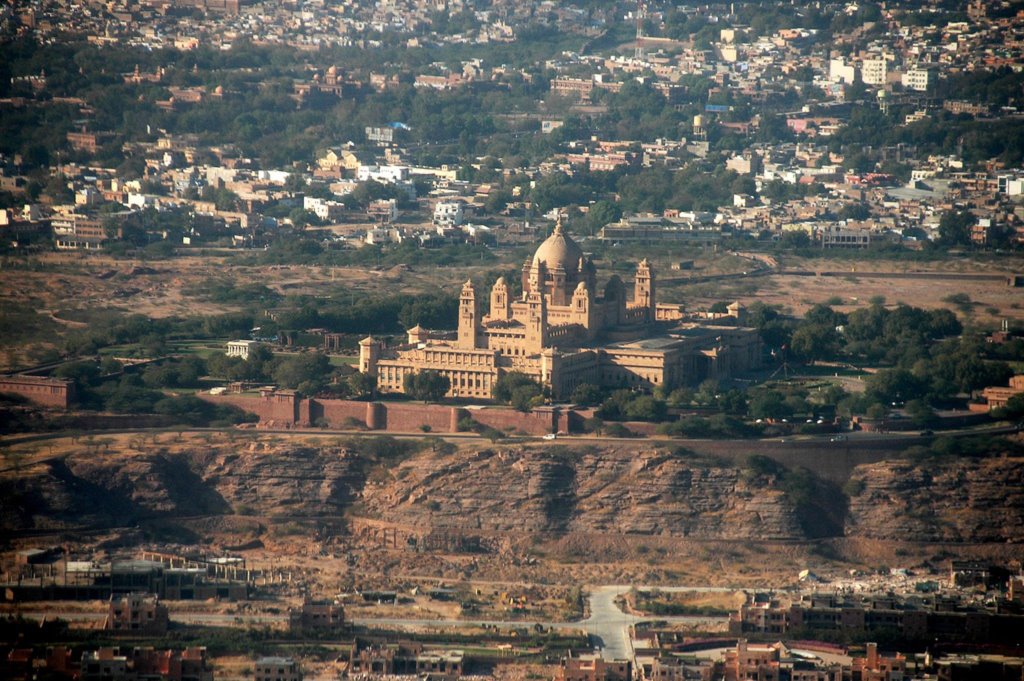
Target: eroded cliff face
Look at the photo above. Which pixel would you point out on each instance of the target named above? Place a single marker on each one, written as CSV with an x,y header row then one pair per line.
x,y
117,489
612,490
965,500
620,491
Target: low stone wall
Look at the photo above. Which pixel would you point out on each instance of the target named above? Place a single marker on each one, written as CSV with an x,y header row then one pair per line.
x,y
337,413
539,422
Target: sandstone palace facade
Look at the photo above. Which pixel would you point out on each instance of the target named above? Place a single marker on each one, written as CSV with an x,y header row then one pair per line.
x,y
563,332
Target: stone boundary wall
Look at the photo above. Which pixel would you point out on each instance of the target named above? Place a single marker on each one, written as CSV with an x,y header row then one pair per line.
x,y
287,410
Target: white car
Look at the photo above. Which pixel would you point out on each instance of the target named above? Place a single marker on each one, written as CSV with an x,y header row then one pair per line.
x,y
550,436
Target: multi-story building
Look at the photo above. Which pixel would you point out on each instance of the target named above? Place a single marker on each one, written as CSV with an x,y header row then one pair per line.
x,y
563,332
839,236
316,615
918,79
78,233
912,620
404,659
448,214
138,614
875,667
874,71
593,668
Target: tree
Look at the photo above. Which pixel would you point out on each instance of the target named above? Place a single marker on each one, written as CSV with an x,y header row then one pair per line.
x,y
921,413
795,238
602,213
307,372
1013,409
362,385
517,389
429,386
894,386
720,307
769,404
815,341
854,211
645,408
955,228
586,394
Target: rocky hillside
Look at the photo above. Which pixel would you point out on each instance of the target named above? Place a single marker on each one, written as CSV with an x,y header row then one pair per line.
x,y
619,491
965,500
99,489
613,490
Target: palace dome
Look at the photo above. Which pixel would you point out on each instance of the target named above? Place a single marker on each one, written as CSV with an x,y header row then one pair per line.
x,y
559,250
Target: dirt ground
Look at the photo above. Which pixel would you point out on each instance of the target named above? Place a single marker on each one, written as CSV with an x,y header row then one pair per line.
x,y
67,290
849,286
60,292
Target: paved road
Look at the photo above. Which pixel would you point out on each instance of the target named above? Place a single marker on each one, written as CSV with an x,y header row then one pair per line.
x,y
607,626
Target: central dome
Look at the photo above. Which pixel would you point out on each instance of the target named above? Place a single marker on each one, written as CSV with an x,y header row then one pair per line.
x,y
559,250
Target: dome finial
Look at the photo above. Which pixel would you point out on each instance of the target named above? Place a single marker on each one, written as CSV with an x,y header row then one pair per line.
x,y
558,224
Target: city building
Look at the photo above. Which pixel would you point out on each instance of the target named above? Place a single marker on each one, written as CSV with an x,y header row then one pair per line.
x,y
839,236
874,71
78,233
448,214
998,396
918,79
403,659
46,392
697,229
277,669
563,332
316,615
921,619
138,614
593,668
115,664
875,667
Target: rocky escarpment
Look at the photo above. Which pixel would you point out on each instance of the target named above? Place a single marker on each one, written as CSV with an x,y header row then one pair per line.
x,y
614,490
93,488
961,500
618,491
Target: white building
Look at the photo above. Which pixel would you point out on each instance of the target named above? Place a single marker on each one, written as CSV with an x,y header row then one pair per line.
x,y
448,213
324,209
841,72
386,174
397,176
1011,184
241,348
380,135
918,79
874,71
380,235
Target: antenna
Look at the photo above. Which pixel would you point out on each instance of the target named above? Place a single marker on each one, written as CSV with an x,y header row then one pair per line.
x,y
641,14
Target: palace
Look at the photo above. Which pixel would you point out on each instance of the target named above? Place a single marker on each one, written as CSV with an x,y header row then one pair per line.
x,y
563,333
